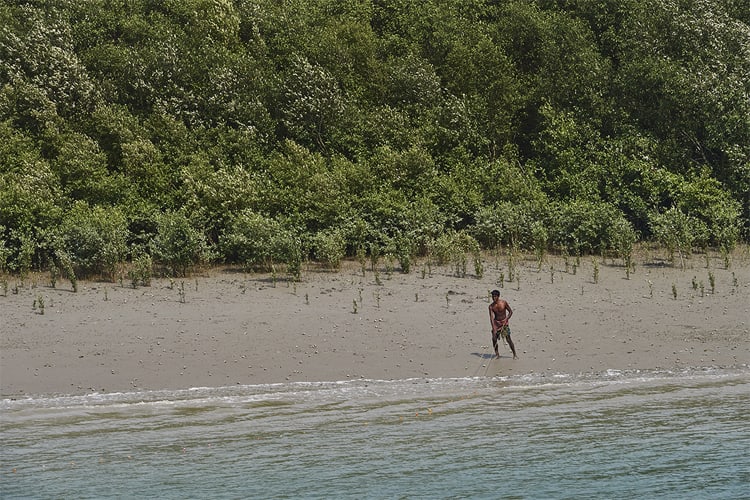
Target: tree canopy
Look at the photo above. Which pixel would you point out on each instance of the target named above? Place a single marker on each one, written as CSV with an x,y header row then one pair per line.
x,y
262,131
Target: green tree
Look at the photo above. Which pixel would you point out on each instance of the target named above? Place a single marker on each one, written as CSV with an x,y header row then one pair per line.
x,y
30,195
311,103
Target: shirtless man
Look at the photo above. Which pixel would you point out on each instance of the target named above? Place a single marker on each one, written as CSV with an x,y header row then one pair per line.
x,y
500,313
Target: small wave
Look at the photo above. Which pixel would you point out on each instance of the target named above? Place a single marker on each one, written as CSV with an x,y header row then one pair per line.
x,y
361,388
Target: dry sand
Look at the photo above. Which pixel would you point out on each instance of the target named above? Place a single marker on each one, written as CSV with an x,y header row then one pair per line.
x,y
228,327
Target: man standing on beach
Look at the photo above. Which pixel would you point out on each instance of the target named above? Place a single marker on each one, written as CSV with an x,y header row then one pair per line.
x,y
500,313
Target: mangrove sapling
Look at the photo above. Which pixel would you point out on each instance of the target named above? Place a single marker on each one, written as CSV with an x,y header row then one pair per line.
x,y
596,271
674,291
68,271
142,269
354,306
54,274
695,283
511,267
725,256
460,264
389,266
25,256
552,274
294,269
362,259
5,287
501,280
405,250
703,289
712,282
40,302
307,299
181,292
133,277
374,257
628,265
478,266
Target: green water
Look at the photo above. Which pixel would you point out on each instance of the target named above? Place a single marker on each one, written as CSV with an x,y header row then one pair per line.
x,y
611,435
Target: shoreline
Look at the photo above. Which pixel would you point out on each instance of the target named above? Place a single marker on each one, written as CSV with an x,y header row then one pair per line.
x,y
222,327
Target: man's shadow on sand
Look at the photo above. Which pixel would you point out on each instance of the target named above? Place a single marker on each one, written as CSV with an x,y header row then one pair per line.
x,y
484,355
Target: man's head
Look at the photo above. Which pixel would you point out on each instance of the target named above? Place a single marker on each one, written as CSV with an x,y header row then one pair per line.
x,y
495,293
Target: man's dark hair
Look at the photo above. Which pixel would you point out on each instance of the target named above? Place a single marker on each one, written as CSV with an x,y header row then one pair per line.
x,y
495,292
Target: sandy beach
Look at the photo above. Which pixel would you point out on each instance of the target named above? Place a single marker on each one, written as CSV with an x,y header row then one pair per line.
x,y
224,327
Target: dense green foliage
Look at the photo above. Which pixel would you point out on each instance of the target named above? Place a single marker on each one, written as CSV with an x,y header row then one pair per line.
x,y
272,131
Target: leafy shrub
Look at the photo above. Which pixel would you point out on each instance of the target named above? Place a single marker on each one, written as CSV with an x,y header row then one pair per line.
x,y
452,247
583,226
705,199
141,270
254,240
179,245
510,224
622,237
329,247
539,236
4,252
67,269
422,221
94,238
677,231
403,248
25,255
724,224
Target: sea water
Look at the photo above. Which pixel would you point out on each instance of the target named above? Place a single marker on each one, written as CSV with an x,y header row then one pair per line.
x,y
609,435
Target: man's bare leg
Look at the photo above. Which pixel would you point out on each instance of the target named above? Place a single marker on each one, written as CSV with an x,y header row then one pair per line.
x,y
512,347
